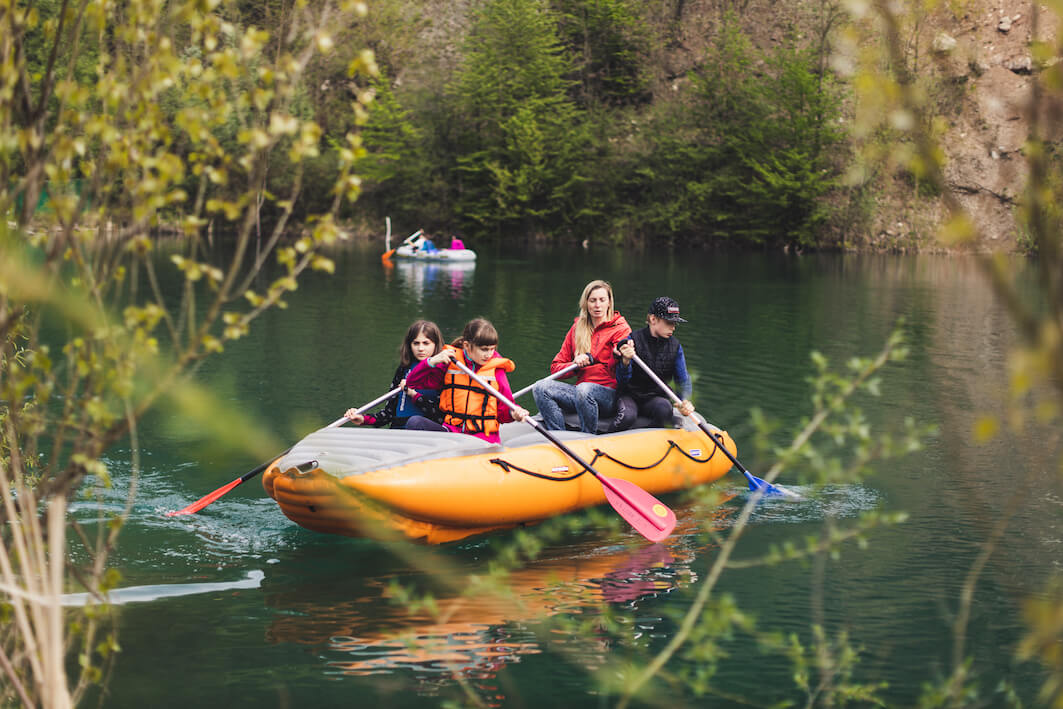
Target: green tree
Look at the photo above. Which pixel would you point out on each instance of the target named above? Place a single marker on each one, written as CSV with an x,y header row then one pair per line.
x,y
131,117
748,156
400,175
776,136
520,140
608,41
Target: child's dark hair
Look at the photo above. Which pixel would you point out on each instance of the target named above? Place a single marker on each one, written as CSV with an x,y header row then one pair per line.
x,y
478,333
426,327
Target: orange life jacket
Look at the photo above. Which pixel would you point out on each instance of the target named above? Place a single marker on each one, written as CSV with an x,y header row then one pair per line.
x,y
466,404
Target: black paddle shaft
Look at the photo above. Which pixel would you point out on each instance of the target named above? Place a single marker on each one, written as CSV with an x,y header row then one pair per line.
x,y
214,496
564,449
535,424
637,512
338,422
675,399
252,473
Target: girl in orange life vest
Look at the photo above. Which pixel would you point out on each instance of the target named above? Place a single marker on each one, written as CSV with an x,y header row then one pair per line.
x,y
466,406
422,340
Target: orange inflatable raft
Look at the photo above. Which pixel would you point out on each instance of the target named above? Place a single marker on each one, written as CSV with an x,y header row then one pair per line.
x,y
441,487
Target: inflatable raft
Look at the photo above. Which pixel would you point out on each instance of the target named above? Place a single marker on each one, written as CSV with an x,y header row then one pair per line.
x,y
406,251
418,247
441,487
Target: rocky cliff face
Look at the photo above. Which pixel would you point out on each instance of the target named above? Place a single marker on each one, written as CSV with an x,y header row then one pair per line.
x,y
976,63
987,52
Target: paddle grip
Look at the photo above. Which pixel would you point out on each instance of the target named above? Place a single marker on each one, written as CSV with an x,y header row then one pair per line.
x,y
556,375
365,407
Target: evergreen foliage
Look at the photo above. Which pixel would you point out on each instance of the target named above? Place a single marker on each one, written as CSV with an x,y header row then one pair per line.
x,y
546,127
395,169
520,138
748,160
550,118
608,42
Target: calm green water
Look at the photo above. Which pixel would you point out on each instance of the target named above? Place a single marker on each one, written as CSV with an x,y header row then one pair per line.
x,y
313,624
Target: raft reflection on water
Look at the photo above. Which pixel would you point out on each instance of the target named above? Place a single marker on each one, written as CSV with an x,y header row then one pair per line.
x,y
420,277
475,635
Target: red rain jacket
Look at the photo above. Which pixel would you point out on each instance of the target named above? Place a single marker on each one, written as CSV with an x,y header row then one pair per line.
x,y
603,341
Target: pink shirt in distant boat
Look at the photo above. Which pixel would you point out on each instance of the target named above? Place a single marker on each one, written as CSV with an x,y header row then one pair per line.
x,y
457,243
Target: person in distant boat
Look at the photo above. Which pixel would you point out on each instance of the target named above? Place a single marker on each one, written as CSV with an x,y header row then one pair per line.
x,y
456,243
422,340
423,242
655,345
593,337
466,406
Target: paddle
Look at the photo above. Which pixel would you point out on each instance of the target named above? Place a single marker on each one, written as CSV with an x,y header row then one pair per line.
x,y
408,240
556,375
387,242
755,483
648,515
207,499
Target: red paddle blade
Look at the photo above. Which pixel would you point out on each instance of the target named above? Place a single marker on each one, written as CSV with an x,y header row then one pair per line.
x,y
649,516
206,499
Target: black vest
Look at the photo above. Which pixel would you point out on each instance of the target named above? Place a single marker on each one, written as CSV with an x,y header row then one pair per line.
x,y
659,353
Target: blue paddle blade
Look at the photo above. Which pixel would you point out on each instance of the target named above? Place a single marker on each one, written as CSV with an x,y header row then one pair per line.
x,y
756,483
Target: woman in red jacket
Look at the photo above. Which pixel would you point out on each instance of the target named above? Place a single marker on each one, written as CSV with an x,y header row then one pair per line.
x,y
591,343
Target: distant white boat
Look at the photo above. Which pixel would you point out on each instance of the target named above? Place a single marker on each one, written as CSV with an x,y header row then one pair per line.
x,y
412,252
418,247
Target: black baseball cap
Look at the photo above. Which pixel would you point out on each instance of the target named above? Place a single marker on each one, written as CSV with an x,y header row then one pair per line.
x,y
667,309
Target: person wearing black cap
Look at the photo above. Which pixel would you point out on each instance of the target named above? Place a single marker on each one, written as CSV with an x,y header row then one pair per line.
x,y
657,346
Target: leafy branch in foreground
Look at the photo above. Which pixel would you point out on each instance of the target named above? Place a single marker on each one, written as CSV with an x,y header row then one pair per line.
x,y
687,663
889,92
831,395
116,121
590,627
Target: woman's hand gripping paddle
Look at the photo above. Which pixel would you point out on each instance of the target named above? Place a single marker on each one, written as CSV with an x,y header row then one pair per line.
x,y
649,516
207,499
556,375
755,483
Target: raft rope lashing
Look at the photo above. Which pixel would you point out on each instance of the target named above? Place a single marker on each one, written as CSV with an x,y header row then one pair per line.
x,y
507,466
671,445
602,454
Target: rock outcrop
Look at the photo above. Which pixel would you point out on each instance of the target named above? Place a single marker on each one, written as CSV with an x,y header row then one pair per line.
x,y
984,144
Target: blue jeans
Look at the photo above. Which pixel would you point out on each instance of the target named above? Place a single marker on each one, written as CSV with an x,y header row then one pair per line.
x,y
589,401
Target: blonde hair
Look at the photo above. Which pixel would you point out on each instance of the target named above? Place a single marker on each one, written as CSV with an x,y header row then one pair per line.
x,y
584,327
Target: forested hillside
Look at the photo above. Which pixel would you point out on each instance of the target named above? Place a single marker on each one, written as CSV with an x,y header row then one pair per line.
x,y
702,121
715,122
610,120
